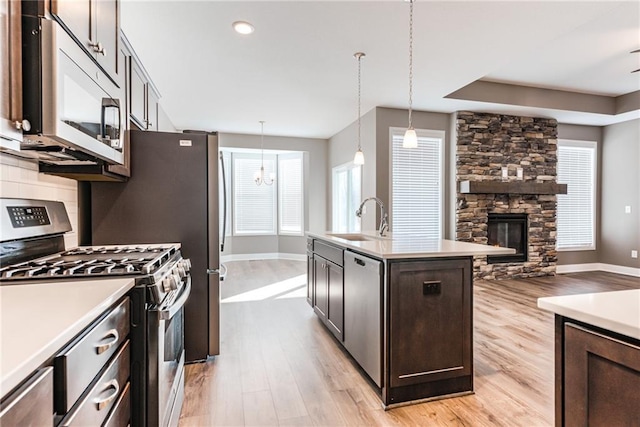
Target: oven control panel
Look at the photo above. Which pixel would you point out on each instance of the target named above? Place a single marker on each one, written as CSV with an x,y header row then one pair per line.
x,y
28,216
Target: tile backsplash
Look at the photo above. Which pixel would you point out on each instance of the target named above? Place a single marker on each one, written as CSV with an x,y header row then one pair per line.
x,y
20,178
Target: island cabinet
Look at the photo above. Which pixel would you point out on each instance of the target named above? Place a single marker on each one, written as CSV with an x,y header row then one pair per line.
x,y
597,376
328,284
429,323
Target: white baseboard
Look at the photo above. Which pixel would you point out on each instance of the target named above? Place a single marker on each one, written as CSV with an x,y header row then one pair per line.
x,y
598,266
269,255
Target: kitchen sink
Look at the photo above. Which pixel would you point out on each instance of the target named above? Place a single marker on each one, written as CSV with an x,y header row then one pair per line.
x,y
352,237
355,237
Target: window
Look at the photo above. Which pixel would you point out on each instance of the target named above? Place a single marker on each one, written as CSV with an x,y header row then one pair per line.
x,y
224,200
290,193
576,209
254,206
347,194
417,184
266,209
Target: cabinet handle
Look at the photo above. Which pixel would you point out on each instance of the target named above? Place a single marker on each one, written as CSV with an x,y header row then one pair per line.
x,y
98,48
431,287
101,348
102,403
23,124
359,262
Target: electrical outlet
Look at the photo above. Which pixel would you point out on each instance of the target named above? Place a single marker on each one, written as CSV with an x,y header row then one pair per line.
x,y
627,209
634,254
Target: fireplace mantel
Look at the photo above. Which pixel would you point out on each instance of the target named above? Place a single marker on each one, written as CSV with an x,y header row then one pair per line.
x,y
511,187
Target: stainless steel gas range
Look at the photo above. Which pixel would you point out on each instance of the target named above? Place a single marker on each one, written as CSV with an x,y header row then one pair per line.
x,y
32,249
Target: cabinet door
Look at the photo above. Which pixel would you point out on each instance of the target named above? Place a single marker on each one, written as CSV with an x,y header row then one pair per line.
x,y
11,68
601,379
32,403
152,109
106,32
335,315
310,279
138,96
164,122
321,286
75,15
430,321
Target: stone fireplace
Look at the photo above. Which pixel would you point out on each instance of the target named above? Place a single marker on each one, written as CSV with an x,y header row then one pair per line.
x,y
487,143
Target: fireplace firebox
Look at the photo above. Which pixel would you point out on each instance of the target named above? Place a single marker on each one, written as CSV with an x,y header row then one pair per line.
x,y
511,231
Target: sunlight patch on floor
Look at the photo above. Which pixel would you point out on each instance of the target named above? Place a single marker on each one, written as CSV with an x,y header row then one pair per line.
x,y
294,287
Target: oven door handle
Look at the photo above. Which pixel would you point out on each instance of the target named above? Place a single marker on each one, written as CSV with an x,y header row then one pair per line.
x,y
169,312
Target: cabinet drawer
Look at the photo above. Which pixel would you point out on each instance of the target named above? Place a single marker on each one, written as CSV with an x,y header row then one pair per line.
x,y
121,413
102,397
31,404
77,365
329,252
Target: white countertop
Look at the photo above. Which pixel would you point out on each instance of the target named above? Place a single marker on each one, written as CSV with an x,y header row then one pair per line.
x,y
37,319
617,311
410,246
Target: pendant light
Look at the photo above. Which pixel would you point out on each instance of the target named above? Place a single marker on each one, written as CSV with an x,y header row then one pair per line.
x,y
259,177
410,139
358,159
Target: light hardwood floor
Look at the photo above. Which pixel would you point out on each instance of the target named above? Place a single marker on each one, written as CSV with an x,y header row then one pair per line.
x,y
278,365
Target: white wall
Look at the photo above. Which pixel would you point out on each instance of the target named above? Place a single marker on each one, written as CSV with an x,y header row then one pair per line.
x,y
315,179
620,231
342,148
20,178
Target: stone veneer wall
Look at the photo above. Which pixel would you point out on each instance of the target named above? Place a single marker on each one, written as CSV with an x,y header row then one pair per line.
x,y
486,143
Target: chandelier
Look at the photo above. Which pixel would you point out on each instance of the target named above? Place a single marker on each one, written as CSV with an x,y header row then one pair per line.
x,y
259,176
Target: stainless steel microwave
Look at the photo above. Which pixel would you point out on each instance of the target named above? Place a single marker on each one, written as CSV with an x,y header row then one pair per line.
x,y
76,112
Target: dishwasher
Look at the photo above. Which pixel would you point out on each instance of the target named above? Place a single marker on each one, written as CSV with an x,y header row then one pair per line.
x,y
362,310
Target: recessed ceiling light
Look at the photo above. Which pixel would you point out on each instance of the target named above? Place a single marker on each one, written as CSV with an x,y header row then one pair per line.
x,y
243,27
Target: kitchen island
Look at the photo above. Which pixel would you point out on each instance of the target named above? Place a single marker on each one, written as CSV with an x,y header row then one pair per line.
x,y
401,306
597,357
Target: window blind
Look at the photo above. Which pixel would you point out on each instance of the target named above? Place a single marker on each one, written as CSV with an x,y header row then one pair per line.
x,y
254,206
290,193
221,201
576,209
416,185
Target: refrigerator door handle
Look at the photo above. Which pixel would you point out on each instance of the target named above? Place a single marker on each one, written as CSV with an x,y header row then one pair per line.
x,y
224,202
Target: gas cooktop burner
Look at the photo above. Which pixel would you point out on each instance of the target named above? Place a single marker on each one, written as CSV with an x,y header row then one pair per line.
x,y
90,250
91,261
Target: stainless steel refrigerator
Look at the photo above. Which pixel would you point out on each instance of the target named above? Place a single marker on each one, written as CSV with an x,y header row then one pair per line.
x,y
172,196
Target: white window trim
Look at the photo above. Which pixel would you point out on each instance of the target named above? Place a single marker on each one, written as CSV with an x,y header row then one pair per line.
x,y
425,133
294,155
594,146
343,167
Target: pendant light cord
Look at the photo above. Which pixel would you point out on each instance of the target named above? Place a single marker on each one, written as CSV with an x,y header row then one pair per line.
x,y
262,145
410,59
359,146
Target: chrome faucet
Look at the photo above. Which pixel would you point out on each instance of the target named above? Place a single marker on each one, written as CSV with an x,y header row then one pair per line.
x,y
384,225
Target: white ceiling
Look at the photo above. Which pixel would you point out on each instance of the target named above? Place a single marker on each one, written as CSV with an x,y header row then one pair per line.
x,y
297,71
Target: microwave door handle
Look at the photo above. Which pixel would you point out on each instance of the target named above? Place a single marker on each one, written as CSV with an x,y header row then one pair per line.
x,y
109,103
